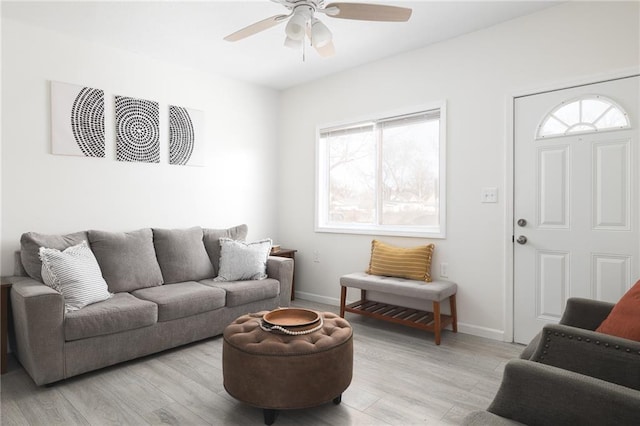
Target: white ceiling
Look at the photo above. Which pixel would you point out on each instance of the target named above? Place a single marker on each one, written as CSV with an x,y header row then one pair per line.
x,y
191,32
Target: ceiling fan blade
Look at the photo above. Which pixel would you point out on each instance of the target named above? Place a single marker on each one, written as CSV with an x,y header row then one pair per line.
x,y
327,50
367,12
256,27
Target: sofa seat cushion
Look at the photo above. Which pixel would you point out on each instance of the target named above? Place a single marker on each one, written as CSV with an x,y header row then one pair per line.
x,y
120,313
182,299
243,292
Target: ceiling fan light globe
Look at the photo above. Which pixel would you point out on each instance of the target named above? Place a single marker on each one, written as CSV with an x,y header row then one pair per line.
x,y
292,44
297,24
320,34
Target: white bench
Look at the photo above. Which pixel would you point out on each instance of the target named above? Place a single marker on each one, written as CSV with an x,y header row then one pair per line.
x,y
435,291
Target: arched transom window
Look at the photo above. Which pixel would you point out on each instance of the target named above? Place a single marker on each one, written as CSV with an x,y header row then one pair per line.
x,y
588,114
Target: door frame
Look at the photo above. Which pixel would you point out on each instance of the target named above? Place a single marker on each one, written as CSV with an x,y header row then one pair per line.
x,y
509,179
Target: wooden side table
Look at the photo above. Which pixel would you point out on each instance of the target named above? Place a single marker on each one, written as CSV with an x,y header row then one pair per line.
x,y
291,254
5,285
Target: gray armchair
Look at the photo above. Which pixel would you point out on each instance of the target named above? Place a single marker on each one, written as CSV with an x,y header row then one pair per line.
x,y
574,345
570,375
536,394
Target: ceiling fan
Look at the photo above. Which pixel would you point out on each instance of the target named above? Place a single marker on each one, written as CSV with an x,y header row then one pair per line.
x,y
302,21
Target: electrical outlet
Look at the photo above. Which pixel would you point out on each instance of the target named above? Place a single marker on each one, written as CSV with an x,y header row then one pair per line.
x,y
444,270
316,256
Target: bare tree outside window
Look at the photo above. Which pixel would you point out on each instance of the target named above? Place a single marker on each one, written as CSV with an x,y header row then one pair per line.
x,y
382,175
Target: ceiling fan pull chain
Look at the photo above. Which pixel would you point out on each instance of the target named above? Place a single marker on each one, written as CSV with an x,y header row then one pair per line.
x,y
304,51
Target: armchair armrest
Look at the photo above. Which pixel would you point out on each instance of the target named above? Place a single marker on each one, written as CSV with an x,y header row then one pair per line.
x,y
38,319
537,394
599,355
281,269
585,313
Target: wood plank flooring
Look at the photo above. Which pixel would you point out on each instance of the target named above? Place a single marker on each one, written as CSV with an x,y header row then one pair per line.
x,y
400,377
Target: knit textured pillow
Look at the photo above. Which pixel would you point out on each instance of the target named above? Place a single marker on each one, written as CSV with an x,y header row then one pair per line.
x,y
624,318
413,263
75,273
243,261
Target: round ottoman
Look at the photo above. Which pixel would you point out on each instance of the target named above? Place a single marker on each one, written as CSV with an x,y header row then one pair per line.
x,y
276,371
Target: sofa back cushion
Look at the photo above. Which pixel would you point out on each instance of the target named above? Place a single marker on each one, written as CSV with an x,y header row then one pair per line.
x,y
181,255
212,241
127,259
31,242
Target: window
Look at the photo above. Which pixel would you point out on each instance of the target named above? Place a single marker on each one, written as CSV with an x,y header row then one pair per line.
x,y
585,115
383,176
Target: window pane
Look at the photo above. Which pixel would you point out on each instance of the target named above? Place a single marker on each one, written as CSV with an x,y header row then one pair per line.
x,y
613,118
352,160
592,109
581,128
410,170
570,114
552,127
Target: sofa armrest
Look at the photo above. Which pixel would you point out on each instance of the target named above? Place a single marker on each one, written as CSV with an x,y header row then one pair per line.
x,y
38,319
281,269
585,313
599,355
537,394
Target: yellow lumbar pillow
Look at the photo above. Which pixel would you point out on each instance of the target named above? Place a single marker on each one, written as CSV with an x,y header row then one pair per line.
x,y
413,263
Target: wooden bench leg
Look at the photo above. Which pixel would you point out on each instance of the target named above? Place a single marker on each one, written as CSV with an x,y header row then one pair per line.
x,y
454,313
436,321
343,300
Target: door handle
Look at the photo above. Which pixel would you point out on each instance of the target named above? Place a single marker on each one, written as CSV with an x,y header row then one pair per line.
x,y
521,239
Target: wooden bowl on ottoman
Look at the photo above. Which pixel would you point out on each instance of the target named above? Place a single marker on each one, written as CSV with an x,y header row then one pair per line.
x,y
274,371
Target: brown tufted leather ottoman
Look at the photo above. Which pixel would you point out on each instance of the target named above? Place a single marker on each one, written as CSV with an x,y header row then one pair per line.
x,y
278,372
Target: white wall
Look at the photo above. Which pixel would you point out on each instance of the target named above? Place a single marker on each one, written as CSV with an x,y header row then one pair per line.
x,y
476,74
58,194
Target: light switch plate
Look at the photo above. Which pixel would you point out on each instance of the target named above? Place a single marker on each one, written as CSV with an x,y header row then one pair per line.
x,y
489,195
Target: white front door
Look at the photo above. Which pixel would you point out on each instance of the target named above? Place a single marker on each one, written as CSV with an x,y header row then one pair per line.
x,y
575,199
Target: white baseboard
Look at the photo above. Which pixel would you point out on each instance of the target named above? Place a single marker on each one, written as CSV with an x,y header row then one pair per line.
x,y
311,297
474,330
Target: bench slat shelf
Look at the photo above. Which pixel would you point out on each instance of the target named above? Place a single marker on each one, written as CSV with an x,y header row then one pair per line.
x,y
397,314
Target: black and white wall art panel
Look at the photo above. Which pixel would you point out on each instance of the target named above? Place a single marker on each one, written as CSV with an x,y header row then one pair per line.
x,y
137,130
186,139
77,120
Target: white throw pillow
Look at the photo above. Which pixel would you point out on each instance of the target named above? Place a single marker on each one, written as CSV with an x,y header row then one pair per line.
x,y
240,260
76,274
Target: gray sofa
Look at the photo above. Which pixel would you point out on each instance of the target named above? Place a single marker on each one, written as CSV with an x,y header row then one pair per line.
x,y
164,296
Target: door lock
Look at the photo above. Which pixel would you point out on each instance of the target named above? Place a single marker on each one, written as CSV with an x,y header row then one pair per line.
x,y
522,222
521,239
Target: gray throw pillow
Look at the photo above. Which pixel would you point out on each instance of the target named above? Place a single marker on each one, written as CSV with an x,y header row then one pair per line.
x,y
31,242
75,273
243,261
181,255
127,259
212,241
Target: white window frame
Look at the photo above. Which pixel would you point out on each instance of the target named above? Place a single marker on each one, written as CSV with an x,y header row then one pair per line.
x,y
322,182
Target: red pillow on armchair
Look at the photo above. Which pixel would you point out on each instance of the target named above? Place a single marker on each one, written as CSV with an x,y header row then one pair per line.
x,y
624,319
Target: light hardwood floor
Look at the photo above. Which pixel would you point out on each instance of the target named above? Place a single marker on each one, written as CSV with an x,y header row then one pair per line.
x,y
400,377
